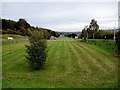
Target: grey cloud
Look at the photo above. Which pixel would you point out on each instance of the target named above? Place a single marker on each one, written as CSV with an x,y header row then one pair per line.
x,y
55,14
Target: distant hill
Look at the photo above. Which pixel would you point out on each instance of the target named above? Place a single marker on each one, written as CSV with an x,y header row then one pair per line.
x,y
21,27
70,33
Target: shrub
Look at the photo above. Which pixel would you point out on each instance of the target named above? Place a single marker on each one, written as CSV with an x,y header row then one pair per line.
x,y
36,51
118,41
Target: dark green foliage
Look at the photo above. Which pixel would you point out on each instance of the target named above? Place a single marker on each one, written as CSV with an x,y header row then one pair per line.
x,y
37,50
72,35
0,23
84,33
91,30
47,34
102,34
8,24
118,41
22,26
52,33
12,27
10,31
23,31
94,27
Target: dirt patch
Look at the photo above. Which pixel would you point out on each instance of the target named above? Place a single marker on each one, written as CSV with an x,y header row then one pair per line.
x,y
116,55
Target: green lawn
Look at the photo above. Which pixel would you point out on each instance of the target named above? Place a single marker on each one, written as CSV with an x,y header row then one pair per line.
x,y
70,64
107,45
5,36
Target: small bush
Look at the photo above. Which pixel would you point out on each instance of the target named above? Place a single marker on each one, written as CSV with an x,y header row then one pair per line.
x,y
36,51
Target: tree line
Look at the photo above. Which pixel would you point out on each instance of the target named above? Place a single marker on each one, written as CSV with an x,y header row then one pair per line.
x,y
92,32
22,27
36,51
102,34
72,35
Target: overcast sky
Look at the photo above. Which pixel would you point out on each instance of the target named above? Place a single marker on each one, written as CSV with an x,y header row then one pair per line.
x,y
62,16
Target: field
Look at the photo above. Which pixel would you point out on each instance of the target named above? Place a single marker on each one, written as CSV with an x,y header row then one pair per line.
x,y
70,64
107,45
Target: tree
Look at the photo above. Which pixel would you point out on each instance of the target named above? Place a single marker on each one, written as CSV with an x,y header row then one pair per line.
x,y
47,34
85,32
21,27
94,27
36,51
23,31
73,35
118,41
8,24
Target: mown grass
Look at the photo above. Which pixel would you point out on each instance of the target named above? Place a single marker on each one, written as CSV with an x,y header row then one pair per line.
x,y
15,36
70,64
16,39
107,45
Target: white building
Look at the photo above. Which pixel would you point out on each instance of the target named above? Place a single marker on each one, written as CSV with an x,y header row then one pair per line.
x,y
10,38
76,37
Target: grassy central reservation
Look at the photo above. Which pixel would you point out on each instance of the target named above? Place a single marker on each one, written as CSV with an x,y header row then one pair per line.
x,y
70,64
